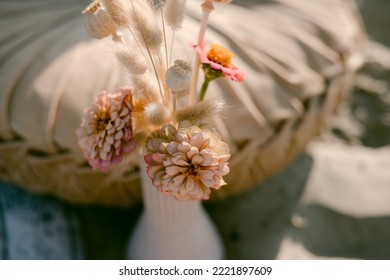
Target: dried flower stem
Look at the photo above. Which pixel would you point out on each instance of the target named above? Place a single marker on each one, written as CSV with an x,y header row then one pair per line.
x,y
172,43
164,32
155,72
135,39
162,71
174,101
207,8
203,90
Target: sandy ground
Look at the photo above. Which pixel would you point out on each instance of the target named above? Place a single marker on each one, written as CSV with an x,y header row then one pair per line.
x,y
332,202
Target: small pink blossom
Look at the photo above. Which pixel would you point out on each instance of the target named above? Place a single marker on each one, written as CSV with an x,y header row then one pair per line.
x,y
107,129
220,59
189,166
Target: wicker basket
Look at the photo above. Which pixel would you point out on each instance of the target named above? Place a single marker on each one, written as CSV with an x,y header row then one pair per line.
x,y
299,56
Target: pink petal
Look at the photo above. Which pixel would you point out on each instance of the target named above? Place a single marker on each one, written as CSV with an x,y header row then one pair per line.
x,y
196,139
129,146
197,159
193,151
172,170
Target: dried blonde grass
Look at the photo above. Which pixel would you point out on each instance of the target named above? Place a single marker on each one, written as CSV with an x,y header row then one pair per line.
x,y
143,22
200,111
174,13
146,87
131,59
118,10
144,27
157,114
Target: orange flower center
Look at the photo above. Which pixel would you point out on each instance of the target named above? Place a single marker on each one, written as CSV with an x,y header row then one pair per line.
x,y
220,55
102,120
192,170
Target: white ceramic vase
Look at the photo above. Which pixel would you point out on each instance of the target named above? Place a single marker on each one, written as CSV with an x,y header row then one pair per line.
x,y
171,229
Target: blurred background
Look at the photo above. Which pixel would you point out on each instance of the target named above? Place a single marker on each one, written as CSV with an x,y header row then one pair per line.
x,y
332,202
315,208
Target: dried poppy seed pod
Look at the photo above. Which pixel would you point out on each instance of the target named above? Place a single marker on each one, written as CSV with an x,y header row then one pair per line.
x,y
92,7
178,77
98,22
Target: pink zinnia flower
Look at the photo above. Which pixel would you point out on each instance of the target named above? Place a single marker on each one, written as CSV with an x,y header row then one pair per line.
x,y
107,129
219,58
190,165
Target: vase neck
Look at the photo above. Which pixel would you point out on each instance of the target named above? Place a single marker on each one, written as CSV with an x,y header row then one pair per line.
x,y
171,213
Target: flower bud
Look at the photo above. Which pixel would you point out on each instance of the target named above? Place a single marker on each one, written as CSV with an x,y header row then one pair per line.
x,y
178,77
98,22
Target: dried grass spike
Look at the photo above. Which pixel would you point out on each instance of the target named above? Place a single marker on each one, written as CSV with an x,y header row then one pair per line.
x,y
200,111
144,23
118,10
146,87
174,13
131,59
157,114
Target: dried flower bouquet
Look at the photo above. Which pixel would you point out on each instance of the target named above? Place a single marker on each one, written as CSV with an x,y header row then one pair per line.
x,y
160,112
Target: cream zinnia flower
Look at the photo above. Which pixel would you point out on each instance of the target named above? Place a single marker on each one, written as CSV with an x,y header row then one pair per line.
x,y
190,165
107,129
